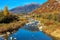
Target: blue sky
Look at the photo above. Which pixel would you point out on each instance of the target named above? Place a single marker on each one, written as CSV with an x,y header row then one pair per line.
x,y
15,3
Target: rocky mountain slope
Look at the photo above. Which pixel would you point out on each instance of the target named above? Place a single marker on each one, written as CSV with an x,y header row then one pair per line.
x,y
25,9
49,15
49,6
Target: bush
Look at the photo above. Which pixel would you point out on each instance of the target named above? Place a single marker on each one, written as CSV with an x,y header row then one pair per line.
x,y
9,18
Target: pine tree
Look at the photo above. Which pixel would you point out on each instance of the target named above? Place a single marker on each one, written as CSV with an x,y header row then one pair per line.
x,y
6,13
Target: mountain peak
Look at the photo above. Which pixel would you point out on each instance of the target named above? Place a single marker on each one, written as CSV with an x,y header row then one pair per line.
x,y
33,3
25,9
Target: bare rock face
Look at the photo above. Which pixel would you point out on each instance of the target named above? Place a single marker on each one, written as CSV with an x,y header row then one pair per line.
x,y
51,0
49,6
58,1
54,0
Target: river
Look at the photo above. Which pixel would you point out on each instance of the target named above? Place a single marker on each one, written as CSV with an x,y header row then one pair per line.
x,y
29,31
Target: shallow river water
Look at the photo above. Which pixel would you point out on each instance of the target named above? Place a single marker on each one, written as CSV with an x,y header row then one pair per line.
x,y
29,32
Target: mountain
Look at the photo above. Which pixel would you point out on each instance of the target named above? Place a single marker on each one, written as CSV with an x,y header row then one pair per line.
x,y
49,6
25,9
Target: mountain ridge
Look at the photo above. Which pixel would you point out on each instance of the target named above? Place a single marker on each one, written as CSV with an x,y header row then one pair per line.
x,y
25,9
49,6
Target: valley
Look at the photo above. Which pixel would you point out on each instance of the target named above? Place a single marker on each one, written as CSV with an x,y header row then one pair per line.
x,y
32,19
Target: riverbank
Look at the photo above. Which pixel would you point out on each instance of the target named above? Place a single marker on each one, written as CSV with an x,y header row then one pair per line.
x,y
7,29
50,27
30,31
55,33
11,26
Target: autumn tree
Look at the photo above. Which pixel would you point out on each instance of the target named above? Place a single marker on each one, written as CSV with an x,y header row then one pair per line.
x,y
6,13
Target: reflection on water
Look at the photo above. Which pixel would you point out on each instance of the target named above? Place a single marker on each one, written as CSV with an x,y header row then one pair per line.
x,y
23,34
1,38
29,31
32,26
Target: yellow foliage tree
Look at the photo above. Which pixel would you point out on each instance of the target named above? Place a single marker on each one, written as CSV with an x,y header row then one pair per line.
x,y
6,13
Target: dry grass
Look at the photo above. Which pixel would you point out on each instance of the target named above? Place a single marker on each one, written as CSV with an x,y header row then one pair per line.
x,y
11,26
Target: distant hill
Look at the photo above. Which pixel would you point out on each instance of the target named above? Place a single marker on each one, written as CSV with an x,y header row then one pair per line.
x,y
49,6
25,9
